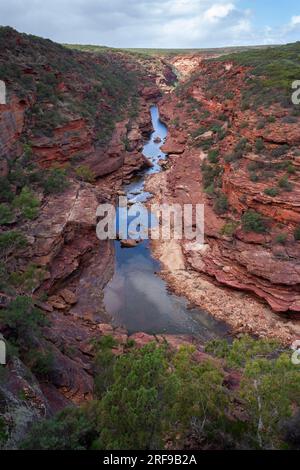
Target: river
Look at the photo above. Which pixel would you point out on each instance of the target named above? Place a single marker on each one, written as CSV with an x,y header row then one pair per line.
x,y
136,297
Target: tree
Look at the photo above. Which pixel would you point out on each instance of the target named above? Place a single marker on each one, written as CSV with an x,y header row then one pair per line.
x,y
221,204
157,397
27,203
23,320
270,388
84,173
6,214
55,181
131,412
10,242
253,222
200,401
72,429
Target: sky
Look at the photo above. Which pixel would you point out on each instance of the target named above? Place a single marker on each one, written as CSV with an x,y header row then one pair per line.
x,y
156,23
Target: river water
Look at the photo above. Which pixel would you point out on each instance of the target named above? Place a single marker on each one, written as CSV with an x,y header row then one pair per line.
x,y
136,297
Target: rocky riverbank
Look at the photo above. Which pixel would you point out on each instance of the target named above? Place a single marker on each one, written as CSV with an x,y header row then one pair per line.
x,y
243,261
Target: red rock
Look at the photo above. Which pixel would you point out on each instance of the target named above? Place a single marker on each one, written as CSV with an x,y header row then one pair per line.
x,y
105,329
129,243
68,296
173,146
141,339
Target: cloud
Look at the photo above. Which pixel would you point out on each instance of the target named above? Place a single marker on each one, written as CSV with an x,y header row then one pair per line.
x,y
295,21
216,12
139,23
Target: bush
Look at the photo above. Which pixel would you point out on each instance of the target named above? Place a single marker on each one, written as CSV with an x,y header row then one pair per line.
x,y
290,169
11,241
28,280
261,124
297,233
285,184
254,177
281,238
161,398
213,156
84,173
272,192
27,203
103,364
259,145
210,173
6,193
55,181
72,429
210,190
279,151
6,214
228,229
141,387
40,363
221,204
23,321
253,222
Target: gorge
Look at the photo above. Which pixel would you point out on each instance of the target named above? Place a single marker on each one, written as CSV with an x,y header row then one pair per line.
x,y
81,128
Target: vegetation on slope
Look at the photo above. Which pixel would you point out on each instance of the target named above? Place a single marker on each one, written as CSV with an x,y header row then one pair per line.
x,y
255,96
67,83
164,52
154,398
56,85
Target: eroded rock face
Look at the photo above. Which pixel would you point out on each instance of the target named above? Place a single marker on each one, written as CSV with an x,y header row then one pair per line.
x,y
71,140
11,125
22,403
246,261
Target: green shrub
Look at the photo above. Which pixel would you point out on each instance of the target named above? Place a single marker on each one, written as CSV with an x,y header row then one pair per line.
x,y
11,241
291,169
72,429
259,145
104,362
84,173
210,190
23,320
210,173
229,95
297,233
40,363
6,214
6,193
253,222
213,156
279,151
55,181
254,177
27,203
281,238
261,124
28,280
285,184
221,204
158,398
229,229
272,192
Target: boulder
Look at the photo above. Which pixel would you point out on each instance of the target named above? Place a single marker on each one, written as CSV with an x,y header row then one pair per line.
x,y
129,243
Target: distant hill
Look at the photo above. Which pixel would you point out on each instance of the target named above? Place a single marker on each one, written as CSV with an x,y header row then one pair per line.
x,y
167,52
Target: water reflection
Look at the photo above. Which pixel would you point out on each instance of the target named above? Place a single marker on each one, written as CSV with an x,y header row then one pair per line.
x,y
136,297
